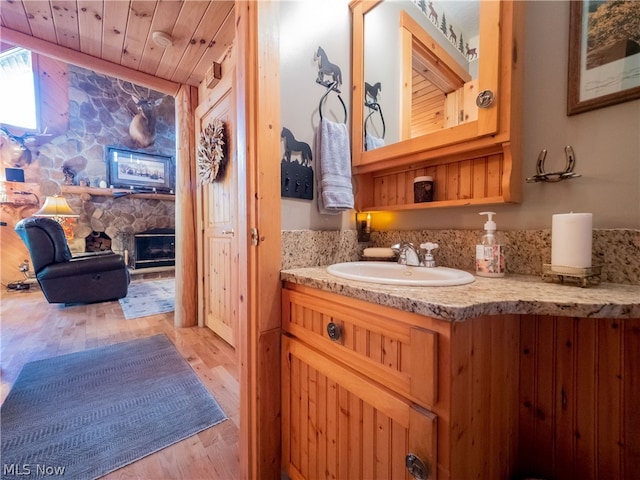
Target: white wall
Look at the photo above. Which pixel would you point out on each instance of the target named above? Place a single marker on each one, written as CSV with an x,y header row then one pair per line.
x,y
305,25
606,141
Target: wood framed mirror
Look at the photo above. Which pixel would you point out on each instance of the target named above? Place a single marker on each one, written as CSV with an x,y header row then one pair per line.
x,y
474,157
429,76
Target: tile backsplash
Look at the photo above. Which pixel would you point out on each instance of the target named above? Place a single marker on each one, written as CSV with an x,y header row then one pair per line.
x,y
616,250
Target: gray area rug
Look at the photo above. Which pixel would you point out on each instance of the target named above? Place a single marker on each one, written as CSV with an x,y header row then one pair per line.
x,y
86,414
146,298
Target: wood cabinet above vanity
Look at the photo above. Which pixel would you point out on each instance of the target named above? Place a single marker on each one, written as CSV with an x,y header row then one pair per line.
x,y
473,153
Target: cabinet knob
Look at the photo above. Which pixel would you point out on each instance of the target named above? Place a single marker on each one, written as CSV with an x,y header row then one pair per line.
x,y
485,98
334,331
416,467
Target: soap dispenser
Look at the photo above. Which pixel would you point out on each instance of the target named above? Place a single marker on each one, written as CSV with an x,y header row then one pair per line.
x,y
489,252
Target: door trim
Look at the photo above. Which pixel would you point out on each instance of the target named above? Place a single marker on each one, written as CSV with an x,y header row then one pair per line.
x,y
258,136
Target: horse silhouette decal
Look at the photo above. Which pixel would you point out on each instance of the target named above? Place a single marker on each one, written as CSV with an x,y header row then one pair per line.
x,y
328,72
291,145
297,174
372,91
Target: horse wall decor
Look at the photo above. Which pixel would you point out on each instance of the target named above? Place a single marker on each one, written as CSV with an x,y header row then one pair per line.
x,y
296,175
372,91
327,72
291,145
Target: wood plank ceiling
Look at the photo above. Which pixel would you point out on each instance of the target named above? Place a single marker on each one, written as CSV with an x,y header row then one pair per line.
x,y
120,31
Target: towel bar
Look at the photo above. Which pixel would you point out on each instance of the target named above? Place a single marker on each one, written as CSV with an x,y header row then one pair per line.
x,y
330,87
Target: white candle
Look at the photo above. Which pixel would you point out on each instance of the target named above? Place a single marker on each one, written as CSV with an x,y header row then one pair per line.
x,y
571,237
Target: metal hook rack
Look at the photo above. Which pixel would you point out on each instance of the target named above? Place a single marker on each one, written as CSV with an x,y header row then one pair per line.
x,y
332,87
568,173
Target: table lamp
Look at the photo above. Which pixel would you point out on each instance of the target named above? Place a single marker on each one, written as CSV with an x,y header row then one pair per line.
x,y
59,210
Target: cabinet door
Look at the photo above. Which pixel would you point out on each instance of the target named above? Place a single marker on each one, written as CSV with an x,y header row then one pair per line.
x,y
368,338
339,424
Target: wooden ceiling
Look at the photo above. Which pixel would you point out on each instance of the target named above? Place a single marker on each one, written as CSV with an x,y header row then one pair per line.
x,y
120,32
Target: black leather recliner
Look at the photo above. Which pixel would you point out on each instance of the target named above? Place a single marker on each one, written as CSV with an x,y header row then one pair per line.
x,y
67,279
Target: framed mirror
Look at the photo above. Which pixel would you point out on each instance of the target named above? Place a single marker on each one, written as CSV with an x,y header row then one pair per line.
x,y
419,67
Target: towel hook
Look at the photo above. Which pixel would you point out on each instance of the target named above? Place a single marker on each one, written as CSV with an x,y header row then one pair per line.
x,y
332,86
375,107
542,176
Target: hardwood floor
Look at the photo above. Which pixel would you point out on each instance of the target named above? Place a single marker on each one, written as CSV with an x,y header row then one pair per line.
x,y
32,329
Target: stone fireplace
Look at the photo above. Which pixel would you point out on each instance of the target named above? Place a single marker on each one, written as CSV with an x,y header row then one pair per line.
x,y
118,219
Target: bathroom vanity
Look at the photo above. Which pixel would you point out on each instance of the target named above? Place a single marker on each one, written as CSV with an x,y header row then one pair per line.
x,y
438,382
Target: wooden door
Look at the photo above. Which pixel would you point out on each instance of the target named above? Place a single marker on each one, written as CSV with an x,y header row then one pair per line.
x,y
218,216
338,424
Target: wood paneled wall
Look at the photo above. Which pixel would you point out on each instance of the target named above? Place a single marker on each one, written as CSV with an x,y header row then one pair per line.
x,y
579,398
480,178
54,94
427,106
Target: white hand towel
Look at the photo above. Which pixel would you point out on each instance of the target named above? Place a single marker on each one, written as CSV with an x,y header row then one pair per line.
x,y
335,191
372,142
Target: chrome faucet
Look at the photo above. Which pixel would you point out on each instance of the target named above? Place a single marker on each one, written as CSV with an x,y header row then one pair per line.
x,y
408,254
411,256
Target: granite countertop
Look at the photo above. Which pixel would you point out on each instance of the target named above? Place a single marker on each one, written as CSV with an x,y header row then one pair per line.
x,y
513,294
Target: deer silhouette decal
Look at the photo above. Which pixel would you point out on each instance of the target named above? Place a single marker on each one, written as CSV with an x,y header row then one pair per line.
x,y
471,52
143,125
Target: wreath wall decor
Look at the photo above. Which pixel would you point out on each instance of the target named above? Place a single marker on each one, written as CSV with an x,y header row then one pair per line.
x,y
211,152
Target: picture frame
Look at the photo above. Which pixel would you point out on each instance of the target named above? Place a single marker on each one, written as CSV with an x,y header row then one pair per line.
x,y
604,68
140,171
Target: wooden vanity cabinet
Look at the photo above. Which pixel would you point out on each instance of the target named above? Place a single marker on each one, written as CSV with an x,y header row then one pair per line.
x,y
365,386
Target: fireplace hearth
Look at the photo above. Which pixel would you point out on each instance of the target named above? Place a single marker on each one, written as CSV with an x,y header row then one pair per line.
x,y
154,248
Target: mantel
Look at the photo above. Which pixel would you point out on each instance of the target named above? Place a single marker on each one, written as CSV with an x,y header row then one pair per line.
x,y
108,192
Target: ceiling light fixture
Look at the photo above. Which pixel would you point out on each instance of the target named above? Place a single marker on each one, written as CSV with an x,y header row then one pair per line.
x,y
162,39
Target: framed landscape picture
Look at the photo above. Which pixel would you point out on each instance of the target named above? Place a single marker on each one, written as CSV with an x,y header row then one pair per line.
x,y
604,54
139,170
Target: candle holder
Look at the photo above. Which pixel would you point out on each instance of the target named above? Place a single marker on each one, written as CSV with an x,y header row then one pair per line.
x,y
363,227
583,277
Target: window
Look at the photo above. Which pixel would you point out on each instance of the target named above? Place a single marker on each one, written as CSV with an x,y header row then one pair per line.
x,y
17,89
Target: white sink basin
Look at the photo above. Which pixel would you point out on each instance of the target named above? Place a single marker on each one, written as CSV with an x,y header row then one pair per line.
x,y
389,273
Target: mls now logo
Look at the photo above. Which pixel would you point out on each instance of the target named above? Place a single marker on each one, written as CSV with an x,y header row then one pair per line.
x,y
37,469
